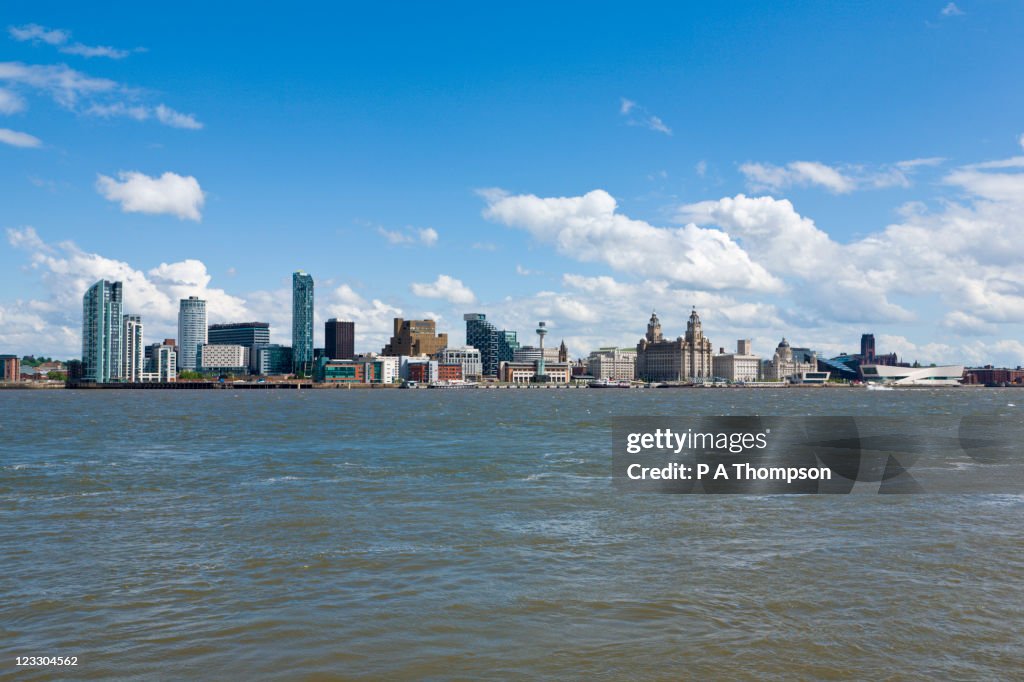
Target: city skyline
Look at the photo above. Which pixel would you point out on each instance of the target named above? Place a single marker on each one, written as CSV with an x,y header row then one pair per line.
x,y
653,168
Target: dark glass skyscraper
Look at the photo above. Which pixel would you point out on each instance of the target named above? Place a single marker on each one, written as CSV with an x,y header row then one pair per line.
x,y
101,332
339,339
240,333
302,322
495,345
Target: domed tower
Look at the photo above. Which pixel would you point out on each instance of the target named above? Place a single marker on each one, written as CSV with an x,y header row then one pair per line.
x,y
784,352
654,329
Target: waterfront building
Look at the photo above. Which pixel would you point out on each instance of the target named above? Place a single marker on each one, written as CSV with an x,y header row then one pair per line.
x,y
526,372
947,375
192,331
270,359
786,363
495,345
466,356
742,365
994,376
247,334
10,368
449,372
133,352
614,363
101,332
339,339
348,371
686,358
161,363
534,353
415,337
302,322
223,358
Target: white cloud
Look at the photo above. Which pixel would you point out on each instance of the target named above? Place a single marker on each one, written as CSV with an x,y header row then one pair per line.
x,y
175,119
446,287
171,193
59,38
373,318
701,168
589,228
426,236
18,139
637,115
37,33
64,84
10,102
763,176
951,10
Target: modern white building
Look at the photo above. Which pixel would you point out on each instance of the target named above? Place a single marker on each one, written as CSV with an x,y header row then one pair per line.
x,y
389,366
947,375
214,357
161,365
524,372
192,331
618,364
468,357
533,354
742,365
133,351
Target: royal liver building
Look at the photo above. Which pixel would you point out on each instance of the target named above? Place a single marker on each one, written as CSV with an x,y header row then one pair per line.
x,y
682,359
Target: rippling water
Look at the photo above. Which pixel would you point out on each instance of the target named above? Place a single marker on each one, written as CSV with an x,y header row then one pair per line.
x,y
474,534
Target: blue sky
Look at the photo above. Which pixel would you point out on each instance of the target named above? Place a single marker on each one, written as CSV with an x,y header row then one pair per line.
x,y
813,170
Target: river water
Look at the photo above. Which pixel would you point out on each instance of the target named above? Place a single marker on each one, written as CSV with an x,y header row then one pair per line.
x,y
475,534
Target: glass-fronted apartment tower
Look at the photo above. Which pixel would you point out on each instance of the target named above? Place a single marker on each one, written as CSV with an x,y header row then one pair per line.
x,y
302,322
101,332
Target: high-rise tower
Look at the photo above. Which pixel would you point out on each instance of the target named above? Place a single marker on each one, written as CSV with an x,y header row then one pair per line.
x,y
192,331
101,331
302,322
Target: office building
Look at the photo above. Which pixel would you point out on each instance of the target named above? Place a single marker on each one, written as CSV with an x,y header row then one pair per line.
x,y
302,322
101,332
684,359
247,334
223,359
161,362
466,356
270,359
10,368
192,331
495,345
526,372
786,364
741,366
133,352
339,339
348,371
533,354
618,364
415,337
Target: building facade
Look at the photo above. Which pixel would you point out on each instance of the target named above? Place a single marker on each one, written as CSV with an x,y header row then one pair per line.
x,y
339,339
222,358
133,354
684,359
495,345
348,371
192,331
526,372
786,363
239,333
302,322
415,337
10,368
161,363
270,359
533,354
101,332
742,365
467,356
612,363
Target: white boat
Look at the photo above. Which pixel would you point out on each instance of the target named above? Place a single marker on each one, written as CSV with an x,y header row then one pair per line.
x,y
609,383
878,387
452,384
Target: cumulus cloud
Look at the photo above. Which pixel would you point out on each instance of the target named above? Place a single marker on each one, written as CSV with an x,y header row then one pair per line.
x,y
373,317
446,287
637,115
170,194
60,39
18,139
589,228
